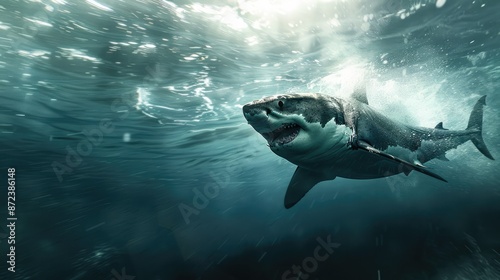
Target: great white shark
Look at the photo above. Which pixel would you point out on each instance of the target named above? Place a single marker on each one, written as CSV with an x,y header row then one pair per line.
x,y
329,137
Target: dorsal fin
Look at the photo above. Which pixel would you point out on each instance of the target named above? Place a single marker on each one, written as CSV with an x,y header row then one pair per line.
x,y
443,157
440,126
359,93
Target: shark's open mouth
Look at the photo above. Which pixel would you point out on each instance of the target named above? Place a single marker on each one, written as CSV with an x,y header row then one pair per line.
x,y
282,135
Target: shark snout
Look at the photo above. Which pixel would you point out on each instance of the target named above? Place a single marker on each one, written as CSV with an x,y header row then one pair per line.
x,y
252,109
257,116
256,112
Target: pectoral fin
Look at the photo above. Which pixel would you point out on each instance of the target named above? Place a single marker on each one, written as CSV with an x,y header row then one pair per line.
x,y
302,181
408,166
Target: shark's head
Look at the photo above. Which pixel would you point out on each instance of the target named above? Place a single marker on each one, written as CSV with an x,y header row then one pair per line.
x,y
295,124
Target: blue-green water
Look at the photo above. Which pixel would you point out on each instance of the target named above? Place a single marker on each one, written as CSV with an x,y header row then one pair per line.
x,y
123,122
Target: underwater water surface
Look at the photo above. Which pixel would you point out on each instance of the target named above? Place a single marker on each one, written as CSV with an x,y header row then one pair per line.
x,y
123,121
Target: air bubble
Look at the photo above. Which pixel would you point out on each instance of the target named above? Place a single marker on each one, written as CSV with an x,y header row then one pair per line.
x,y
440,3
126,137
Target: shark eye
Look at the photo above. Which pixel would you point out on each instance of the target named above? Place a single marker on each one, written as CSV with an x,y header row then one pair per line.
x,y
280,104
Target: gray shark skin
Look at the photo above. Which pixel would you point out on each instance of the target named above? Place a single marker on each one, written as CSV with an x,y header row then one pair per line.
x,y
329,137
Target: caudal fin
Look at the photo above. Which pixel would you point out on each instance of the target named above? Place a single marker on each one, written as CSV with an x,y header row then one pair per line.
x,y
476,123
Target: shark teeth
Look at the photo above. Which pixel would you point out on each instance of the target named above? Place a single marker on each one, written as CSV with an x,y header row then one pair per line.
x,y
284,134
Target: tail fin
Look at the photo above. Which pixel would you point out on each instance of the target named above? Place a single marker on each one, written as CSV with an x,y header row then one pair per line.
x,y
476,123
